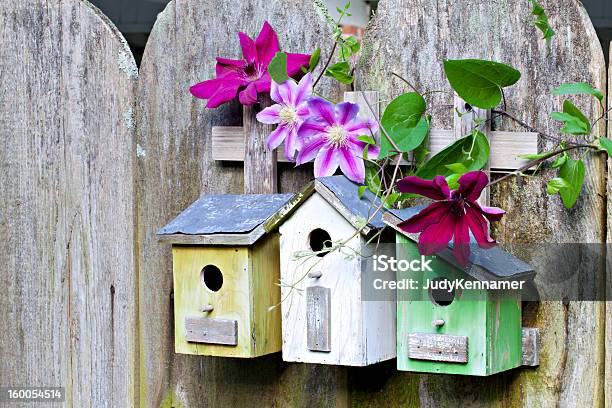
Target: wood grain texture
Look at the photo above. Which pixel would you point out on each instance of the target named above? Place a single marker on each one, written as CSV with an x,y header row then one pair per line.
x,y
228,145
318,319
438,347
531,346
175,167
260,170
67,82
210,330
412,38
608,277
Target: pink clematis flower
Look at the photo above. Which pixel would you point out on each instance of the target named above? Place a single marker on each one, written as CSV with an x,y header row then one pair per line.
x,y
330,137
290,112
452,215
249,75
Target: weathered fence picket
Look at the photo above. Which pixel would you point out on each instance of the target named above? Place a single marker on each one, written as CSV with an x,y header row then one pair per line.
x,y
410,38
67,81
175,132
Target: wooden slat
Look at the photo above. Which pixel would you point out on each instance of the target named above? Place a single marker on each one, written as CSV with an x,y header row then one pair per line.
x,y
531,346
260,176
228,145
438,347
211,331
318,318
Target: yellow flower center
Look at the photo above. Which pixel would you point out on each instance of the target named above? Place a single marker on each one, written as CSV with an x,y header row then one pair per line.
x,y
287,115
337,135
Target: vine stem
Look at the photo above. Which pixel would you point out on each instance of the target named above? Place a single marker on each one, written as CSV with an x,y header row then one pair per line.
x,y
541,160
331,55
532,129
395,146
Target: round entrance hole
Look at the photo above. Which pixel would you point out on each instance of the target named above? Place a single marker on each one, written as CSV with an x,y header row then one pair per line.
x,y
319,240
212,277
438,292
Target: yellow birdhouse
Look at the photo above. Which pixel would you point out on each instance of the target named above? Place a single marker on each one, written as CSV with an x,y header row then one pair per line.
x,y
225,252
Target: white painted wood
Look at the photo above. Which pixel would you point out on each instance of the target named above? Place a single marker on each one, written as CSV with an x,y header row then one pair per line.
x,y
365,330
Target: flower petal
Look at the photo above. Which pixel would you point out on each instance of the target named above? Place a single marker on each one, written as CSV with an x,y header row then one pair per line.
x,y
323,109
263,84
326,162
492,213
436,189
432,214
217,91
346,112
311,128
295,62
226,66
249,95
479,227
248,47
286,91
360,127
436,237
266,44
310,150
471,184
277,136
304,90
461,242
269,115
292,144
351,165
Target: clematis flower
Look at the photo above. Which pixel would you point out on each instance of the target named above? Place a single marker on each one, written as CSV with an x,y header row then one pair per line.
x,y
249,75
331,138
454,214
290,112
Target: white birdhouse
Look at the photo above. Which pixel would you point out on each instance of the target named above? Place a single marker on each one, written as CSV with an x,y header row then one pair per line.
x,y
325,317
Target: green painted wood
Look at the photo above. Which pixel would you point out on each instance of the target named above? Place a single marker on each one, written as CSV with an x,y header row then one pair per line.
x,y
491,321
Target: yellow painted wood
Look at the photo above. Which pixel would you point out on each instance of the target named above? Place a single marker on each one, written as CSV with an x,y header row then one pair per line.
x,y
249,292
265,292
232,301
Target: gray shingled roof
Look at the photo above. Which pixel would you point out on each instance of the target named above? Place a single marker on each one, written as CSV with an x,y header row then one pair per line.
x,y
226,214
346,192
493,263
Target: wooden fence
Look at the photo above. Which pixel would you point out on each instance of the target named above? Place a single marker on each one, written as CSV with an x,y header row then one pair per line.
x,y
96,156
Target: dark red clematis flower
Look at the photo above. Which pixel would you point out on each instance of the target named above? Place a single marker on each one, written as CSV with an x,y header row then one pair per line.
x,y
452,216
249,75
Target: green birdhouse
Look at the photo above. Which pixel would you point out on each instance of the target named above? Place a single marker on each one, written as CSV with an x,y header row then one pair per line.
x,y
456,320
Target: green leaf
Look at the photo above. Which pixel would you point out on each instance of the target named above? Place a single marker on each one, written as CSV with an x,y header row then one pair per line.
x,y
458,168
471,150
533,156
573,173
392,199
541,22
453,181
367,139
420,153
404,123
578,88
340,71
480,82
361,190
555,184
560,160
314,59
606,144
277,68
349,46
575,122
372,180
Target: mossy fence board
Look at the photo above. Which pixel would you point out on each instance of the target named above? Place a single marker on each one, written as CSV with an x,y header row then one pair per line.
x,y
95,159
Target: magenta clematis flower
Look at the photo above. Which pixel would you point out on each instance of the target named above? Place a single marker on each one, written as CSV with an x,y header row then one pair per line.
x,y
250,75
452,215
290,112
331,138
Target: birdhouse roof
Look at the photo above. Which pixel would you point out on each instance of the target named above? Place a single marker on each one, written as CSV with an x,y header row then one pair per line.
x,y
342,194
485,264
229,219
